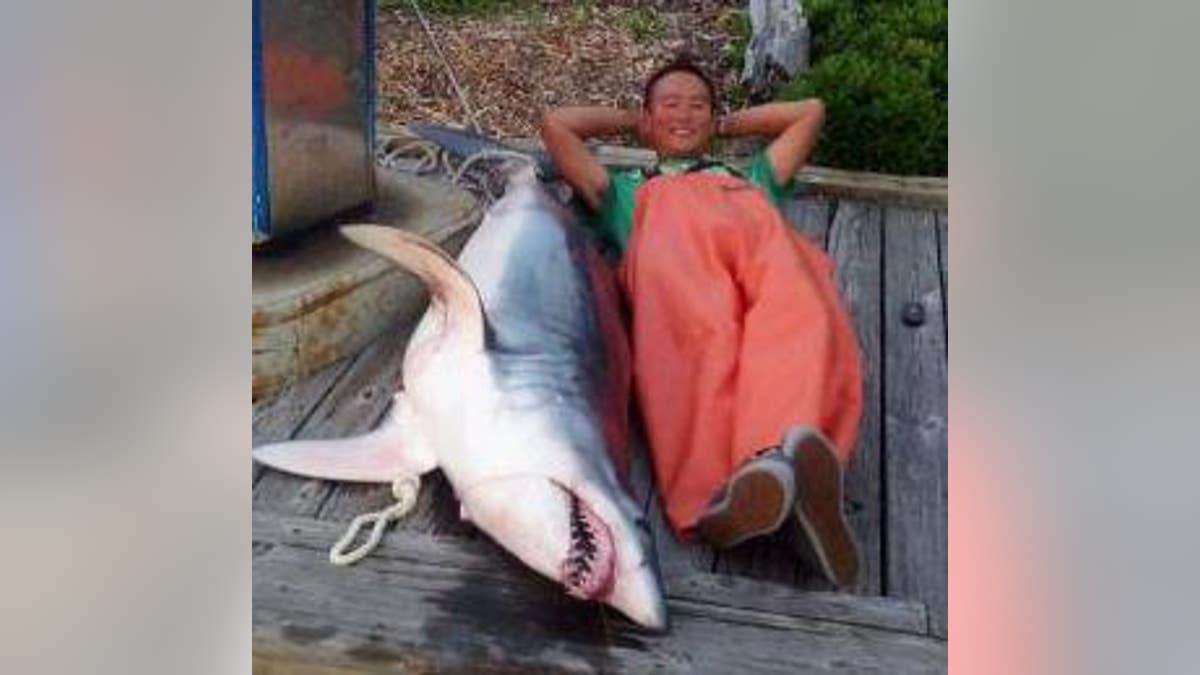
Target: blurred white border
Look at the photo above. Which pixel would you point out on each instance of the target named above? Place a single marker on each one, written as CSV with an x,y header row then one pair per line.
x,y
124,282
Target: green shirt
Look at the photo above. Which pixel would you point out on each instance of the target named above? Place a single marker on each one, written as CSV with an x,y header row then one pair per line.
x,y
613,221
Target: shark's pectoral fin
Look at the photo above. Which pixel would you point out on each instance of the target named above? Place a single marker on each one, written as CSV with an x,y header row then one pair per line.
x,y
452,293
393,450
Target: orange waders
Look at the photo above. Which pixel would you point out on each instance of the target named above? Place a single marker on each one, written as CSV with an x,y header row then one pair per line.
x,y
738,334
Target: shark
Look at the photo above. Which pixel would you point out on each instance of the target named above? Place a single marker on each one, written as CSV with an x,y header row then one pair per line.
x,y
516,386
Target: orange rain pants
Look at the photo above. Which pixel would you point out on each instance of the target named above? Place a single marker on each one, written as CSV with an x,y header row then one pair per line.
x,y
737,335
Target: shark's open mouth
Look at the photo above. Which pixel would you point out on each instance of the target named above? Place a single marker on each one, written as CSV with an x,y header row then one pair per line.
x,y
588,570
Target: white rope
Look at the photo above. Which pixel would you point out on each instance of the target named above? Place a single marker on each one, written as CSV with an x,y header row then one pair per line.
x,y
427,154
404,489
397,143
453,80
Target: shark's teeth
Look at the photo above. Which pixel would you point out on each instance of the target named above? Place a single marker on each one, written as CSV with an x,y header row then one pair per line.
x,y
587,570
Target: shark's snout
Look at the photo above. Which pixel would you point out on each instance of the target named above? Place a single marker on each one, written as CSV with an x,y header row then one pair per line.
x,y
570,540
637,593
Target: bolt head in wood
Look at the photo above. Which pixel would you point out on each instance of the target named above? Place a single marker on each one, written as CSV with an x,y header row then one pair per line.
x,y
913,314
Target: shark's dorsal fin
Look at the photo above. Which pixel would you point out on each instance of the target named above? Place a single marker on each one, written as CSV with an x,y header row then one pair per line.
x,y
452,293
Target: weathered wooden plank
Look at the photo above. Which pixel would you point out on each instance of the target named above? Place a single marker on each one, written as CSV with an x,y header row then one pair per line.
x,y
436,510
915,413
675,557
856,247
871,611
481,554
280,417
877,612
439,603
353,406
775,558
915,191
944,268
810,216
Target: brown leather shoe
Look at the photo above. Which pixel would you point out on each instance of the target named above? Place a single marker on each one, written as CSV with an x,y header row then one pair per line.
x,y
756,501
818,505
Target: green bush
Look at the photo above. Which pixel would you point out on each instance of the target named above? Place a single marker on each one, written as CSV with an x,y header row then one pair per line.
x,y
880,66
737,25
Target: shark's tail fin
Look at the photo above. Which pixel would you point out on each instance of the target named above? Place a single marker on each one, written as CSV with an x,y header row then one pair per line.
x,y
463,144
452,293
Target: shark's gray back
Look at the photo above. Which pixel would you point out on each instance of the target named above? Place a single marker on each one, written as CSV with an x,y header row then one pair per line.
x,y
553,314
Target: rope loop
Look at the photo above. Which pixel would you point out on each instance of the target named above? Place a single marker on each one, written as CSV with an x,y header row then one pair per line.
x,y
404,489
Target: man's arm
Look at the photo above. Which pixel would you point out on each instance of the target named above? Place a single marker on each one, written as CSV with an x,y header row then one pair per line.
x,y
564,131
794,125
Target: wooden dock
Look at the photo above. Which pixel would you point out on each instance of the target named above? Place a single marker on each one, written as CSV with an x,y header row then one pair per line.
x,y
438,596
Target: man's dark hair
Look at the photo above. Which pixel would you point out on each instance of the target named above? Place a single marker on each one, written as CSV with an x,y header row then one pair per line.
x,y
681,64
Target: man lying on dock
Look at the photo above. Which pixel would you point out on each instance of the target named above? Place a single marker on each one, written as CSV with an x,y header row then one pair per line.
x,y
745,362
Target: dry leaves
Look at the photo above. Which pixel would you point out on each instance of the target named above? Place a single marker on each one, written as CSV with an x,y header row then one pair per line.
x,y
513,67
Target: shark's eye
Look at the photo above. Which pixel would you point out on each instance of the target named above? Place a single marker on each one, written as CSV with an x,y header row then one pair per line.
x,y
642,524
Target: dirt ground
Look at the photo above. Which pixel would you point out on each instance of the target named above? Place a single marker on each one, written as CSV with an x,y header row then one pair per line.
x,y
558,52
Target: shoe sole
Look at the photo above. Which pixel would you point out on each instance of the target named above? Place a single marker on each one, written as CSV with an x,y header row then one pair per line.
x,y
754,507
818,510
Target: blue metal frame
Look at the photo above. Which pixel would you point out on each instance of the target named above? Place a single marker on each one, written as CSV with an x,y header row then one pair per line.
x,y
369,76
260,208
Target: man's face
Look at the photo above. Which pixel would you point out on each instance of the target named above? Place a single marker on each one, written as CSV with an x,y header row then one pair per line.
x,y
679,120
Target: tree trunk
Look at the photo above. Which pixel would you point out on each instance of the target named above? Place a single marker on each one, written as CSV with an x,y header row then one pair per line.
x,y
778,48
